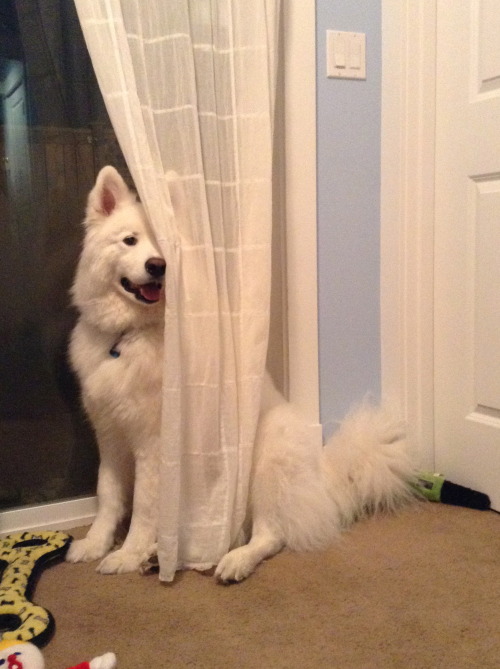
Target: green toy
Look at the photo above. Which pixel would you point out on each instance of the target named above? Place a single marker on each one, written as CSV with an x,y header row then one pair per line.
x,y
437,489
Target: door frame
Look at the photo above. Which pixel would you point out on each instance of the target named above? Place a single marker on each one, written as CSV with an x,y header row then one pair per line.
x,y
301,209
407,215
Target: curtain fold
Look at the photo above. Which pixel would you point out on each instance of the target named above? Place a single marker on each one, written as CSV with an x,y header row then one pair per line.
x,y
189,86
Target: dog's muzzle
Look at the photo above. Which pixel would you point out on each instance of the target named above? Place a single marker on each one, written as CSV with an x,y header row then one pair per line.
x,y
149,292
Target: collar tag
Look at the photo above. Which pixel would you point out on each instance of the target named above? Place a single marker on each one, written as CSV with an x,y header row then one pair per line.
x,y
114,351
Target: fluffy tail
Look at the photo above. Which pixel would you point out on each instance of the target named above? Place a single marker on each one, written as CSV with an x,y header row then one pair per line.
x,y
307,495
367,465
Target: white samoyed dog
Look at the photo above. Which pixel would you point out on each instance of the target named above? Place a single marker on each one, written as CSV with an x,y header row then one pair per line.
x,y
301,497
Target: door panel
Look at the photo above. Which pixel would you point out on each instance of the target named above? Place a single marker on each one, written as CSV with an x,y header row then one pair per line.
x,y
467,245
487,305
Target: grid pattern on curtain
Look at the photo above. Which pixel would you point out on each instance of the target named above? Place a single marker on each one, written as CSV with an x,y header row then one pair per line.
x,y
189,86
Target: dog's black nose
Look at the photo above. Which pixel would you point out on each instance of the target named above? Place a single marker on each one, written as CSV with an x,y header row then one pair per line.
x,y
155,267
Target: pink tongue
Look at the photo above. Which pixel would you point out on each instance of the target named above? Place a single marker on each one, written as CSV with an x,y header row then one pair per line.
x,y
150,292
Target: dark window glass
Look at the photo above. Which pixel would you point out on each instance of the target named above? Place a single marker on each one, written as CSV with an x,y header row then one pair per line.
x,y
55,136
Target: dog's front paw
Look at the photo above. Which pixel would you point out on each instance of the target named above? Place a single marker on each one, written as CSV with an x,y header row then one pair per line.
x,y
86,550
235,566
121,562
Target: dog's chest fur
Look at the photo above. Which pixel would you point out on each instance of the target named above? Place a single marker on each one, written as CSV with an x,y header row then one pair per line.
x,y
120,376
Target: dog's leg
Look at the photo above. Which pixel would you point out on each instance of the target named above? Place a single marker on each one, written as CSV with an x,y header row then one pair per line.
x,y
113,486
141,537
241,562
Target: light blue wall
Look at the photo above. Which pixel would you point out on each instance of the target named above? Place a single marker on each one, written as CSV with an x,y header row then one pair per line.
x,y
348,127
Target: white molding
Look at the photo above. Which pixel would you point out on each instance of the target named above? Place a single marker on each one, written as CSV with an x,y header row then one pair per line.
x,y
301,212
54,516
407,214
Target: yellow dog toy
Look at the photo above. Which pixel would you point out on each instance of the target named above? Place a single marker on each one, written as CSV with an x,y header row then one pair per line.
x,y
21,556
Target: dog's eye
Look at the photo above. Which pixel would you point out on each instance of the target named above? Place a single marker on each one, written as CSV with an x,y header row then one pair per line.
x,y
130,240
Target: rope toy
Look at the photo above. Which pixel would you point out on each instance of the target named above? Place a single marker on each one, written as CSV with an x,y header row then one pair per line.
x,y
21,556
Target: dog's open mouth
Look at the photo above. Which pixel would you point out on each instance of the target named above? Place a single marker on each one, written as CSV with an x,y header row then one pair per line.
x,y
149,293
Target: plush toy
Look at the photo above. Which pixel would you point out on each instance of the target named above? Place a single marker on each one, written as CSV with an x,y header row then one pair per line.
x,y
24,625
22,555
25,655
437,489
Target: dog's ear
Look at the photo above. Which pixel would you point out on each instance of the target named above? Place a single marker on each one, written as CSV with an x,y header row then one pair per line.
x,y
109,192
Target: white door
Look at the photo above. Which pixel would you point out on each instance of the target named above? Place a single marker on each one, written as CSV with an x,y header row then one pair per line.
x,y
467,245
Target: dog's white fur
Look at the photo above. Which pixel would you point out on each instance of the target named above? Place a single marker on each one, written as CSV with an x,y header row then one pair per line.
x,y
122,395
300,497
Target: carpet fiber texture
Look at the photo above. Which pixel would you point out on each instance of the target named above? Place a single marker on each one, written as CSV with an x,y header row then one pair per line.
x,y
420,589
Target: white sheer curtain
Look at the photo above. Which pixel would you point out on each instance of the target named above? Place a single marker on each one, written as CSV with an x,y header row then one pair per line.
x,y
189,86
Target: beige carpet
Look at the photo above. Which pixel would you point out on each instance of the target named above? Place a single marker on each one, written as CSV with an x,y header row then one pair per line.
x,y
420,590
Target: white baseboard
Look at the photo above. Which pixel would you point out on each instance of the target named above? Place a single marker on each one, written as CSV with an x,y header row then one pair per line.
x,y
317,433
54,516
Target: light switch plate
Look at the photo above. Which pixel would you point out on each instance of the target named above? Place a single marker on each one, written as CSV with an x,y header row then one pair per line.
x,y
345,55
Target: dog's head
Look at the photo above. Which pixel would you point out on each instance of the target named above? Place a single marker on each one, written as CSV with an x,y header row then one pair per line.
x,y
120,256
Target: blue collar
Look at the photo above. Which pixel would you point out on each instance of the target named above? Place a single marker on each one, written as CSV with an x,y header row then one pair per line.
x,y
114,351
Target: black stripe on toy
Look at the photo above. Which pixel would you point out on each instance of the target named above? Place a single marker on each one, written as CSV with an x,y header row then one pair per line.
x,y
459,495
